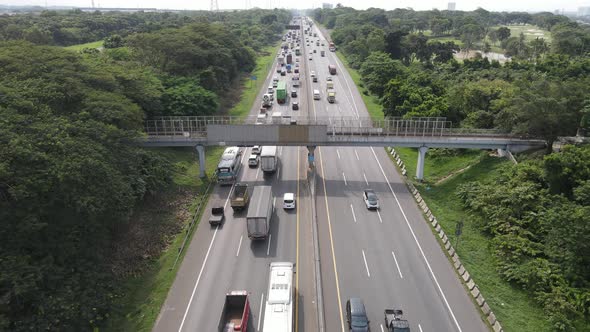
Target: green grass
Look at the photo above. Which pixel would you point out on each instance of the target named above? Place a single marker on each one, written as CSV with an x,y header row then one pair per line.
x,y
513,307
80,47
515,31
375,110
145,294
251,88
437,168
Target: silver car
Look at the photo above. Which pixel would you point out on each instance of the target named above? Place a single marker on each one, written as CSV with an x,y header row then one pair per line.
x,y
371,200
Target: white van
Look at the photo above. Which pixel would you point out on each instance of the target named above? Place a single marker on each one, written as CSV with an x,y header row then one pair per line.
x,y
313,77
271,90
288,201
316,94
275,81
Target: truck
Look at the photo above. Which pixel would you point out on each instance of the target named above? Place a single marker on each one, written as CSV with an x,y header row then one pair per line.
x,y
332,69
236,312
268,157
394,321
281,60
240,197
289,58
267,100
260,212
282,92
331,95
217,215
332,47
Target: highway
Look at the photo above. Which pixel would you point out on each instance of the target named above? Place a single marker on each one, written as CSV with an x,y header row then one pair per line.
x,y
389,258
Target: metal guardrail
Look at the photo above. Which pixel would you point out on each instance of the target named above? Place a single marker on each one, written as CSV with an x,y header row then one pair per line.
x,y
196,126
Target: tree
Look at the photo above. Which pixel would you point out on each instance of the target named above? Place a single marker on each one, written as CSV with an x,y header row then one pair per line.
x,y
471,34
493,36
393,44
189,99
503,33
113,41
377,70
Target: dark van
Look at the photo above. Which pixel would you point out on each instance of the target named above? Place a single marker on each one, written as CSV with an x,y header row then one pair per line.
x,y
356,315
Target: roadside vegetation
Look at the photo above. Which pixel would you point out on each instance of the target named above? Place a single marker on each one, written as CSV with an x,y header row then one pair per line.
x,y
511,233
91,223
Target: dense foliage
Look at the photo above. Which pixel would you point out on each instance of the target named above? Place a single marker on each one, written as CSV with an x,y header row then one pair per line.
x,y
70,175
538,215
542,92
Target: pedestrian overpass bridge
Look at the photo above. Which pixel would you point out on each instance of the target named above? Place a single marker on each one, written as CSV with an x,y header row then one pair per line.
x,y
422,133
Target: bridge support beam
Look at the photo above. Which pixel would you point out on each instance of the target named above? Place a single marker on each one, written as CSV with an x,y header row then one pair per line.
x,y
420,167
310,156
201,153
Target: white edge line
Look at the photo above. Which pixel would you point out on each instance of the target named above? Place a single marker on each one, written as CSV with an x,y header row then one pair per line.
x,y
379,214
239,246
353,215
338,153
418,244
357,155
269,241
381,327
366,265
344,176
365,176
198,279
420,327
278,172
396,264
257,171
260,311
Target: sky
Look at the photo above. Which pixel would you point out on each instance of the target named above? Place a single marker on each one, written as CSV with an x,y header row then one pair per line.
x,y
498,5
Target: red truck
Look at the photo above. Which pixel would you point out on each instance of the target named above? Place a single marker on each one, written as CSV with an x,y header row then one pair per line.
x,y
332,69
236,312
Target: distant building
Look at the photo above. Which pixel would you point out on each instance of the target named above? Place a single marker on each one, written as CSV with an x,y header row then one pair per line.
x,y
326,5
451,6
583,11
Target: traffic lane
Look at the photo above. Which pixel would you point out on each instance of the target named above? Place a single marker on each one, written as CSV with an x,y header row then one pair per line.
x,y
172,311
333,313
458,300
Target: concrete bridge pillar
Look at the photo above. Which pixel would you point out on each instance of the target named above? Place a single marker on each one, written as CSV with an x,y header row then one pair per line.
x,y
201,153
420,167
310,156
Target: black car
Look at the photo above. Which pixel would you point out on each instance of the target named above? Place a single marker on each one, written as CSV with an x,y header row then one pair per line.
x,y
295,106
294,93
356,315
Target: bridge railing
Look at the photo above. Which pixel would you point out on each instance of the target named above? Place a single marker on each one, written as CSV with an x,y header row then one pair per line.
x,y
196,126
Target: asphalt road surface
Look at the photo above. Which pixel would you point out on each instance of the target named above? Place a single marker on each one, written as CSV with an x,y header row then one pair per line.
x,y
390,257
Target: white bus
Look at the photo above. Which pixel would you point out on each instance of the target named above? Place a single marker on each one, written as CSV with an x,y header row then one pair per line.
x,y
229,165
278,314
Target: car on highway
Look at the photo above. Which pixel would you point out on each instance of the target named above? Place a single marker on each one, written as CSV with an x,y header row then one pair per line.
x,y
294,93
310,58
288,201
253,160
256,149
371,200
356,315
295,106
329,78
315,51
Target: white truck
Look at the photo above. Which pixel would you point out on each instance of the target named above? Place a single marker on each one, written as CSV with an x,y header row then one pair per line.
x,y
268,158
267,100
260,212
331,95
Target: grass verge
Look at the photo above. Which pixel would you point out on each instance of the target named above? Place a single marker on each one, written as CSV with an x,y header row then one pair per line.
x,y
145,293
80,47
513,307
375,110
251,88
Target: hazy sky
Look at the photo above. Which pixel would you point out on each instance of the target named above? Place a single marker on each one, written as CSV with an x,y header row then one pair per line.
x,y
498,5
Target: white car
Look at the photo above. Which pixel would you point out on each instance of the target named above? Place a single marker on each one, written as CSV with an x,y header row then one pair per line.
x,y
288,201
310,58
256,148
253,160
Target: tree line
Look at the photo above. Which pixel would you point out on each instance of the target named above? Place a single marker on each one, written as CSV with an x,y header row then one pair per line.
x,y
536,212
412,75
69,177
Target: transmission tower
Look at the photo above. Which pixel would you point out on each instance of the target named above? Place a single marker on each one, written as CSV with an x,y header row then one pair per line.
x,y
214,5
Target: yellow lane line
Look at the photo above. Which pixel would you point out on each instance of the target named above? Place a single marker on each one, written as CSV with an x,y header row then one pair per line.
x,y
331,241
